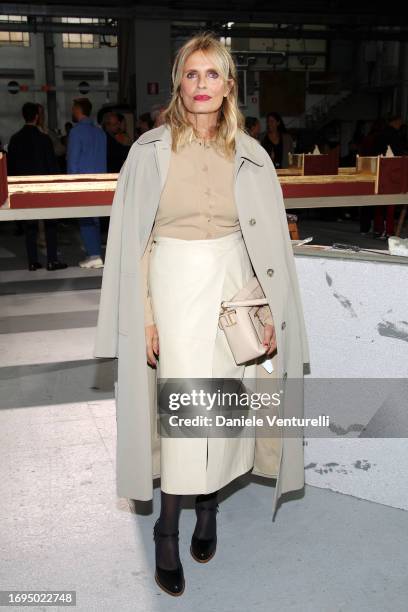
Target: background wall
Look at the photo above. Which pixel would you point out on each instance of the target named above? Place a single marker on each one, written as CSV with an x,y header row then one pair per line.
x,y
349,80
97,66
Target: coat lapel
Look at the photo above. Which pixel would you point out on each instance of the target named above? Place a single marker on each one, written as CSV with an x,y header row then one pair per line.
x,y
245,151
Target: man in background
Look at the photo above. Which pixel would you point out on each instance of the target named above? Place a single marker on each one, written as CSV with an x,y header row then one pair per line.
x,y
116,151
86,154
390,136
30,152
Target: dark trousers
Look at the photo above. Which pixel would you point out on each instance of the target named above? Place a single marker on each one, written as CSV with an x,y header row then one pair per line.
x,y
31,231
366,216
384,215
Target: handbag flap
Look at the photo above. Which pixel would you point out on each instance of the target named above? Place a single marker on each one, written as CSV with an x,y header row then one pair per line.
x,y
251,290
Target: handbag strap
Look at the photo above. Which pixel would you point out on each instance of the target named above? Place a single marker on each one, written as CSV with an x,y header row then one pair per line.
x,y
254,302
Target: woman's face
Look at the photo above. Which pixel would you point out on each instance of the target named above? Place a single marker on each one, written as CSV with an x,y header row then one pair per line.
x,y
202,87
272,124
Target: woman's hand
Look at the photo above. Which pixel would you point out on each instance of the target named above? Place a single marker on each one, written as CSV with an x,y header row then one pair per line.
x,y
152,344
269,339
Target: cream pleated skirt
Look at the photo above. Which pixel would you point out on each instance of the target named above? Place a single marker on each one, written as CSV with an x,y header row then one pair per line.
x,y
188,280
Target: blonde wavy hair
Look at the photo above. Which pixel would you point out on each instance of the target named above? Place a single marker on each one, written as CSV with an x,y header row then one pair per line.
x,y
230,118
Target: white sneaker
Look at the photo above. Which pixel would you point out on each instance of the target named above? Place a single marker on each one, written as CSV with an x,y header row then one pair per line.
x,y
94,261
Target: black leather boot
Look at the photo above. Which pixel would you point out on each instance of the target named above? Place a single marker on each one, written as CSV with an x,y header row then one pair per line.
x,y
171,581
202,550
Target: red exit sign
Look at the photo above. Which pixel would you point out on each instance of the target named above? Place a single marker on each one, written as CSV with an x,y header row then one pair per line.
x,y
153,89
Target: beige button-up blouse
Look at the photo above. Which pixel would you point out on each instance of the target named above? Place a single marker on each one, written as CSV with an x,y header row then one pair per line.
x,y
197,202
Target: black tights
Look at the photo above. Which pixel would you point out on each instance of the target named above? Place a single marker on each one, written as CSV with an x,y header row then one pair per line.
x,y
167,548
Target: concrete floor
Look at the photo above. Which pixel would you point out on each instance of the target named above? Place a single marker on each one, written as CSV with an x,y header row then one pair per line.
x,y
63,526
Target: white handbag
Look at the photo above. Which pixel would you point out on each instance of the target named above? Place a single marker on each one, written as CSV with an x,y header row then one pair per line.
x,y
241,324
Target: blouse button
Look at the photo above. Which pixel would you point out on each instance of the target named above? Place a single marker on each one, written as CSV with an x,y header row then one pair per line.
x,y
252,222
270,271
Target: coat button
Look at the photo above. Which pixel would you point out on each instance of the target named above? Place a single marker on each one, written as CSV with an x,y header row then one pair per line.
x,y
252,222
270,271
283,325
285,375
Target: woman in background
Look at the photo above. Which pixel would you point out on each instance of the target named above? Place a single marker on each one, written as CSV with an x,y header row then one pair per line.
x,y
277,140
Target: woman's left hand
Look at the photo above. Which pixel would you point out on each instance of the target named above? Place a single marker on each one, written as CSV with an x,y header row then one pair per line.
x,y
269,339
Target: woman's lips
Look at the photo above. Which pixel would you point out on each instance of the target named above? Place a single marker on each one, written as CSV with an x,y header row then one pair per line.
x,y
202,98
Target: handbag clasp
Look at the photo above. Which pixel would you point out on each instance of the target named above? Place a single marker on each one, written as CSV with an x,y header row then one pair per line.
x,y
229,318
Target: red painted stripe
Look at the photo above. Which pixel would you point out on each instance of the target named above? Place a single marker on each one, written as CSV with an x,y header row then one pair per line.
x,y
98,198
310,190
56,200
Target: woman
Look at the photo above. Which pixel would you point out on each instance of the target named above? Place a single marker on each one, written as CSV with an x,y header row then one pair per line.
x,y
277,140
182,214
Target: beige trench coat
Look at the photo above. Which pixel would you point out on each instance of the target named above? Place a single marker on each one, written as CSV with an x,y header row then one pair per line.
x,y
120,328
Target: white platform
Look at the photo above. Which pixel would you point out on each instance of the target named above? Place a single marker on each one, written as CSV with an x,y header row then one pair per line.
x,y
357,322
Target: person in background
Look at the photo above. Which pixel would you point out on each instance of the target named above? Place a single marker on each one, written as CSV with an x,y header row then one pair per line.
x,y
122,136
391,137
277,140
64,137
404,136
367,148
144,123
87,154
158,116
60,152
64,143
55,136
359,132
349,160
368,144
30,152
116,152
253,127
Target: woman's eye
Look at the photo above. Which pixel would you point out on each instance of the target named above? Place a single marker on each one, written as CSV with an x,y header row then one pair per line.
x,y
211,73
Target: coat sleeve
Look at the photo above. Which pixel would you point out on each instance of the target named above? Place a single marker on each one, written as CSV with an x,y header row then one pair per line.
x,y
106,341
265,315
148,307
289,256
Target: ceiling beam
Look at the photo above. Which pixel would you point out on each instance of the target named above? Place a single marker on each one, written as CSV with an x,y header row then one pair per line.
x,y
211,11
35,24
41,26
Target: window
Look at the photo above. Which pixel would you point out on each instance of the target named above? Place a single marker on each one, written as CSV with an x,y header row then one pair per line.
x,y
13,39
80,40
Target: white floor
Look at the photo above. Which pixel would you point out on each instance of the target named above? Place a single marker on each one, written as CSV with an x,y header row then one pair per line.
x,y
63,528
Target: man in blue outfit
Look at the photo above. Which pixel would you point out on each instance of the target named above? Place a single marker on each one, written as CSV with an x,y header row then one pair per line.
x,y
86,154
